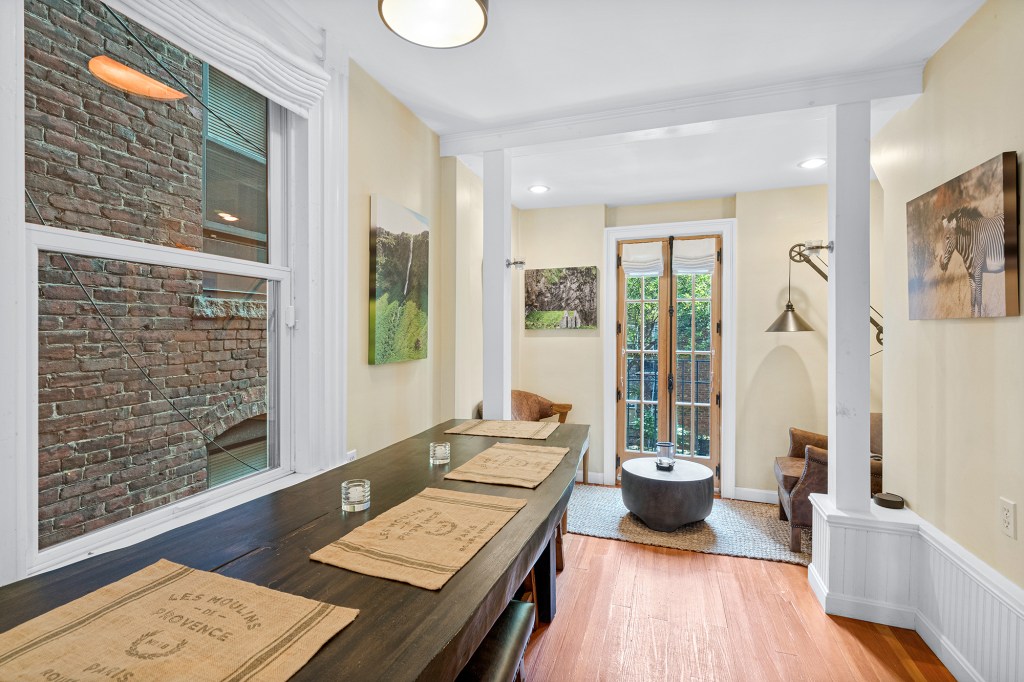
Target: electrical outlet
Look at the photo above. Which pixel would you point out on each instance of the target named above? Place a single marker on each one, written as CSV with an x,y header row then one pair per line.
x,y
1008,517
349,456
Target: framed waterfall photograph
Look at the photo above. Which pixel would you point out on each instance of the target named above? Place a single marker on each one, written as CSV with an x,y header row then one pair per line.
x,y
962,258
399,265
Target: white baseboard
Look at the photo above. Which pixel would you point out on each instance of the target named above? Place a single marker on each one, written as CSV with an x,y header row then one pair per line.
x,y
893,567
596,478
947,653
756,495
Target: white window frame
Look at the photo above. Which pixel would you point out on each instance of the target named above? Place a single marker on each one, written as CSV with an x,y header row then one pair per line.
x,y
60,240
308,193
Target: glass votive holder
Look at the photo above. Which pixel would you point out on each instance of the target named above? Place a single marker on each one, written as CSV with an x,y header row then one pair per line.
x,y
355,495
440,453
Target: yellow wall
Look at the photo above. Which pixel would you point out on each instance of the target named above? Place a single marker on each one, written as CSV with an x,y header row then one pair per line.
x,y
564,366
392,153
463,208
671,212
954,389
781,378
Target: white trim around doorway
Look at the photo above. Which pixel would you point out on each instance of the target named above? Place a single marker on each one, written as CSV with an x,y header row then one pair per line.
x,y
726,227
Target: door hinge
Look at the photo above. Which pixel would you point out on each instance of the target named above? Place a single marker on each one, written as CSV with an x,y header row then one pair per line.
x,y
619,261
618,394
671,383
718,399
718,471
289,316
671,311
718,327
719,255
618,327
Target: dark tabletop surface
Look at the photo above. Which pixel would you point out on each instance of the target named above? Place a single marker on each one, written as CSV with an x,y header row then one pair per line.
x,y
402,632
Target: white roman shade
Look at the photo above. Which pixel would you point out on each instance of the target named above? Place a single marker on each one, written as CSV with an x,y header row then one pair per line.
x,y
245,42
693,256
643,258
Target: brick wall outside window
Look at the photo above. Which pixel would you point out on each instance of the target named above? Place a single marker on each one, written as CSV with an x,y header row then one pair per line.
x,y
100,161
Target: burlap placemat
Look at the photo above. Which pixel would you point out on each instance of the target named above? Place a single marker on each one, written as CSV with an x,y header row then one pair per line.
x,y
425,540
505,429
524,466
171,622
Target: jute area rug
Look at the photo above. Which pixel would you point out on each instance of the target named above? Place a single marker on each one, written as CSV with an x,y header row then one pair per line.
x,y
734,528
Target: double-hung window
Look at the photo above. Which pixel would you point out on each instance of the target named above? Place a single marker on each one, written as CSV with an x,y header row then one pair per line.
x,y
156,231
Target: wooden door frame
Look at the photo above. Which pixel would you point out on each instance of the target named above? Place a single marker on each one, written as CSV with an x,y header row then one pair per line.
x,y
666,338
725,227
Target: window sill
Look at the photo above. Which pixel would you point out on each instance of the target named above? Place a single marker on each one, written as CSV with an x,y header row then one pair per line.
x,y
142,527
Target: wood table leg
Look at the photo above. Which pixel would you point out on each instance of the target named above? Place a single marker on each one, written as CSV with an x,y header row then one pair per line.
x,y
544,571
586,466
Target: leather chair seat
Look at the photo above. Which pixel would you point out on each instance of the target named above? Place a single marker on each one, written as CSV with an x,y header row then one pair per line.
x,y
788,471
499,656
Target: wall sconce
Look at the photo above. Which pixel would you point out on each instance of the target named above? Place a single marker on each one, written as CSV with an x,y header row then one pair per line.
x,y
517,264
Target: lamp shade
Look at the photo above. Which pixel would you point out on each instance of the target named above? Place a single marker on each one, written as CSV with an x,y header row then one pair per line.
x,y
122,77
790,321
437,23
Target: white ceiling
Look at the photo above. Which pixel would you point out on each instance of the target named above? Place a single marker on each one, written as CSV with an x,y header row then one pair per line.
x,y
541,59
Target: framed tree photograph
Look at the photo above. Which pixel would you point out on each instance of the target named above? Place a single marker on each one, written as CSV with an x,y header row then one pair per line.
x,y
399,268
962,245
561,298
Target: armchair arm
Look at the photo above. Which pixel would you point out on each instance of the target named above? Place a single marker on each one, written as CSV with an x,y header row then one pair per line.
x,y
814,479
800,439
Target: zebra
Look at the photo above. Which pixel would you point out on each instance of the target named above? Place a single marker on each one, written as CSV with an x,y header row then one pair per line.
x,y
979,241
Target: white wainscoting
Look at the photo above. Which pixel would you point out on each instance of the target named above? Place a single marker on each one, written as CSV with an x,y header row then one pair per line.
x,y
893,567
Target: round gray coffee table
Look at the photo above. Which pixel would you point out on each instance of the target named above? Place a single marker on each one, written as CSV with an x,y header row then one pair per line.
x,y
666,500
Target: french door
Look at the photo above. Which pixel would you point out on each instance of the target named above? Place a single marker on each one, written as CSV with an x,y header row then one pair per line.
x,y
669,351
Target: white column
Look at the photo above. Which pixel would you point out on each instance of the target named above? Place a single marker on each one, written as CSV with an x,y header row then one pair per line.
x,y
18,484
497,297
849,140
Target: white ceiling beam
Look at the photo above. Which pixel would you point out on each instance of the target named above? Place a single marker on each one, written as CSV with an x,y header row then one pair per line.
x,y
837,89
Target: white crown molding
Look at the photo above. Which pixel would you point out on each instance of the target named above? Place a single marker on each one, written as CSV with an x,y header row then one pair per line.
x,y
814,92
296,82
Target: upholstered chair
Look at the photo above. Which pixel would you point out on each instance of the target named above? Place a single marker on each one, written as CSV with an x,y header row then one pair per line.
x,y
804,470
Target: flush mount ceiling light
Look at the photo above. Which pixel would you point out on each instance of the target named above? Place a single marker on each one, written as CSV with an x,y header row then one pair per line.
x,y
118,75
435,23
224,215
811,164
538,189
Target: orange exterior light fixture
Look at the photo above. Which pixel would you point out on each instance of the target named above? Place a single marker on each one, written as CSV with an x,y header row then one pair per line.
x,y
117,75
437,23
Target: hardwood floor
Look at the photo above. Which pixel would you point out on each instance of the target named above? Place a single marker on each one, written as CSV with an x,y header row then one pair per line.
x,y
635,612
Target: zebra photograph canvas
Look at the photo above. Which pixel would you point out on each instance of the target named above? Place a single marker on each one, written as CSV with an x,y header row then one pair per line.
x,y
962,245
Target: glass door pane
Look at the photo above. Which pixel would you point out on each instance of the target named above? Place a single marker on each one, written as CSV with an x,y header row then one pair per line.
x,y
642,363
694,365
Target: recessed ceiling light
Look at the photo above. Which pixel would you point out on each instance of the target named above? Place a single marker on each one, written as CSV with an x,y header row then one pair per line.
x,y
539,189
811,164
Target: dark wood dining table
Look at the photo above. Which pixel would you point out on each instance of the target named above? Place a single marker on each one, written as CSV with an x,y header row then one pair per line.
x,y
402,632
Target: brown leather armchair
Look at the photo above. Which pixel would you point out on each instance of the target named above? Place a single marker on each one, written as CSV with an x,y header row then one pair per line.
x,y
805,470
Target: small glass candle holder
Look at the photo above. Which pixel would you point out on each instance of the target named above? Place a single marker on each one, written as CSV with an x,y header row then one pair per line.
x,y
440,453
355,495
666,459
